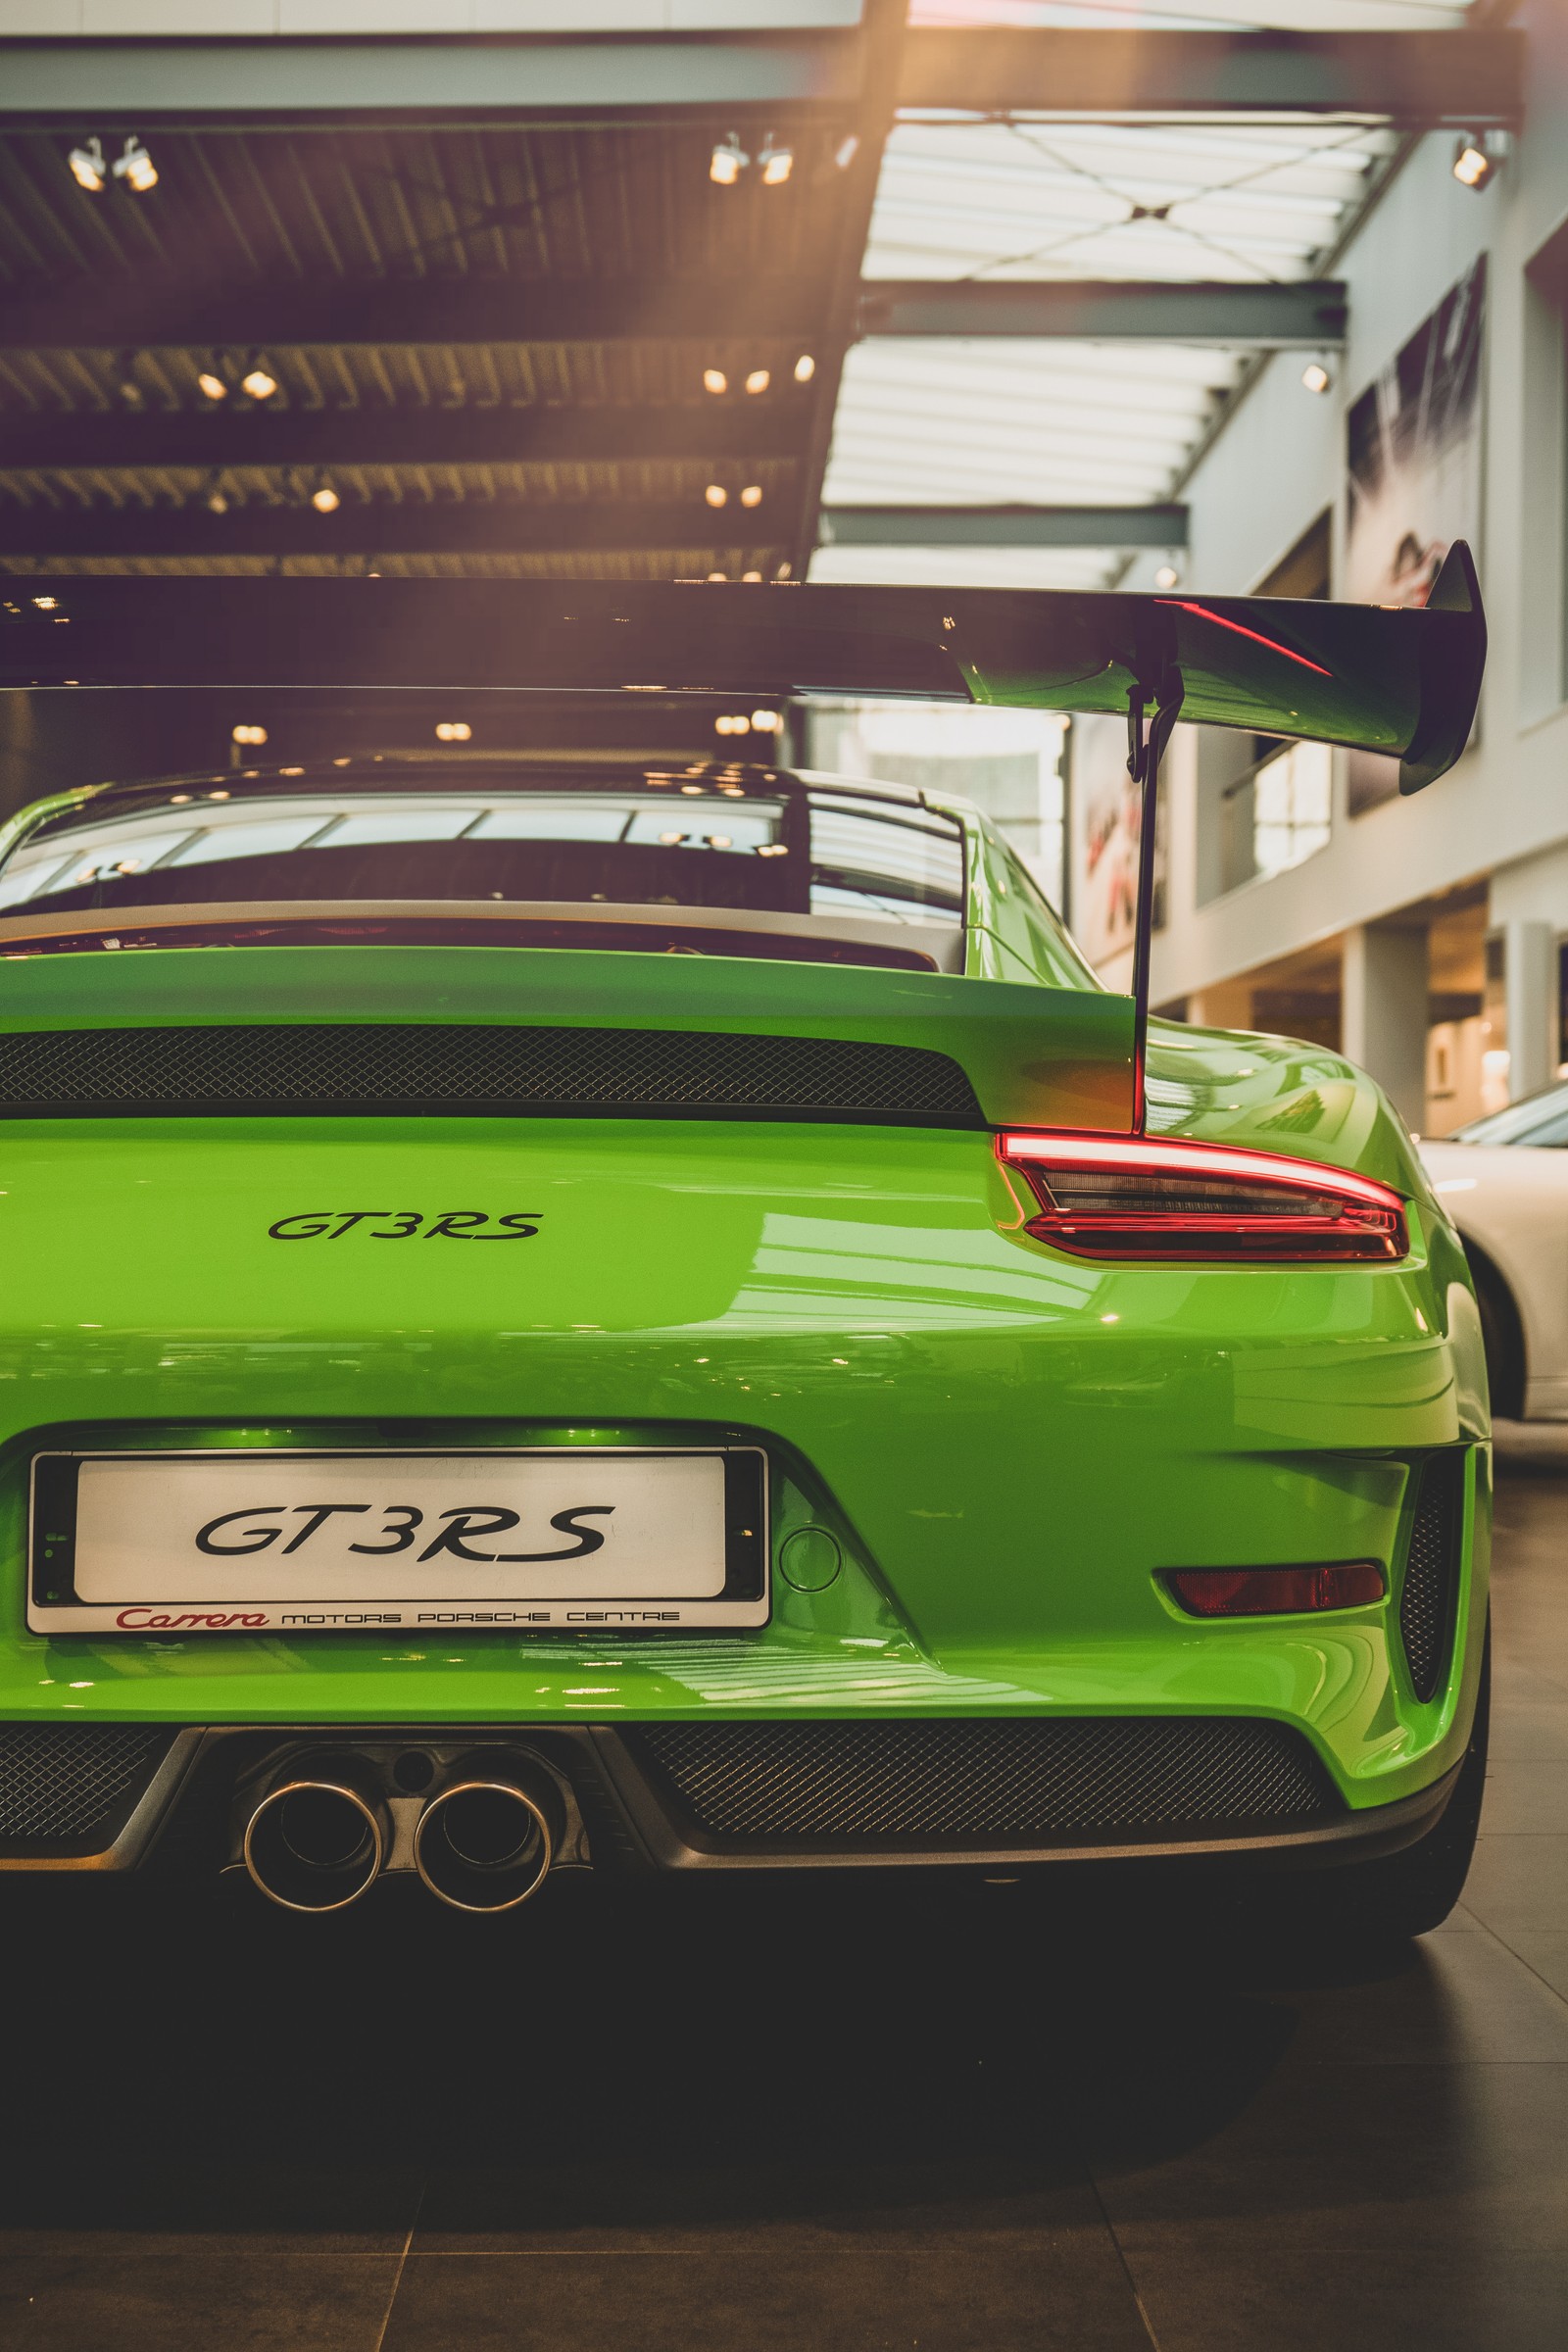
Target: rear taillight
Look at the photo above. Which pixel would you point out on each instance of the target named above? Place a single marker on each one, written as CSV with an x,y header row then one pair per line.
x,y
1135,1198
1277,1591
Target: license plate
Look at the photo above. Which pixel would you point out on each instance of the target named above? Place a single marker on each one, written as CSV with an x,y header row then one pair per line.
x,y
257,1540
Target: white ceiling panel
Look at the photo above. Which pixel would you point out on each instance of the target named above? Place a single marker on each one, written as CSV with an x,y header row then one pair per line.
x,y
1051,422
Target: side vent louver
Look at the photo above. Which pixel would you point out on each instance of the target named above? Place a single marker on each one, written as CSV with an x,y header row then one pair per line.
x,y
1429,1592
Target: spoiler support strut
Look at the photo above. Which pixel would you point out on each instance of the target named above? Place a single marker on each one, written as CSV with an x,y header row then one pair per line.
x,y
1150,721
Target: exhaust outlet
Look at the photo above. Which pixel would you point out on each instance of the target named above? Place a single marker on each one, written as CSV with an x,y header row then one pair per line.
x,y
486,1841
317,1840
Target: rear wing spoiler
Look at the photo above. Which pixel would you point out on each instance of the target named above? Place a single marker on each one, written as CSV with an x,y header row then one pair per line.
x,y
1376,678
1393,679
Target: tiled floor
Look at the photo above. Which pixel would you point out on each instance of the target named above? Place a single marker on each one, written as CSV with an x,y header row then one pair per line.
x,y
736,2122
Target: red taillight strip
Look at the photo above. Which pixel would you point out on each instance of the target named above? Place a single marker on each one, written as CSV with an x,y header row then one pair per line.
x,y
1368,1221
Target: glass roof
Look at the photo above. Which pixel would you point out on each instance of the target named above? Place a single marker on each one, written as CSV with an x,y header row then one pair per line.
x,y
959,422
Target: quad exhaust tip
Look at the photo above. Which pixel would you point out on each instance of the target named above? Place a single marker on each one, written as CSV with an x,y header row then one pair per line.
x,y
487,1839
316,1842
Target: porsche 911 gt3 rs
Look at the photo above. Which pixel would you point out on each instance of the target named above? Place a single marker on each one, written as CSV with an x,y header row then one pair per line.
x,y
651,1315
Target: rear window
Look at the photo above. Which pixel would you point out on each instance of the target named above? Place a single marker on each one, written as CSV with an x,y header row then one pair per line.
x,y
696,838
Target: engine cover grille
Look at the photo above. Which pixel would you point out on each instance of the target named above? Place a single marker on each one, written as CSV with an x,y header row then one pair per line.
x,y
1430,1589
475,1069
73,1785
1112,1780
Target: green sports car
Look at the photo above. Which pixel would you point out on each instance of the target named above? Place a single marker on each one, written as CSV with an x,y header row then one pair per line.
x,y
655,1316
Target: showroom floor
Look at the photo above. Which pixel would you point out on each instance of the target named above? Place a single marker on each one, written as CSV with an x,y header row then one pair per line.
x,y
744,2124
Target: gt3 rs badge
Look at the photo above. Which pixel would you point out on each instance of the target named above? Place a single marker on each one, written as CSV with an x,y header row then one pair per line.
x,y
407,1224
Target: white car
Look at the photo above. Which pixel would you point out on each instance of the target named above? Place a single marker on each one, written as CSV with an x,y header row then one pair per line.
x,y
1504,1181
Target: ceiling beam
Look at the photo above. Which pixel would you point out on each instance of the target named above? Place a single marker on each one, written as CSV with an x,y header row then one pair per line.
x,y
222,436
1306,315
356,83
149,314
1003,527
466,527
1472,77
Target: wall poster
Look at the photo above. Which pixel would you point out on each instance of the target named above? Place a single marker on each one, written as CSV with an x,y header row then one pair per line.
x,y
1414,478
1106,810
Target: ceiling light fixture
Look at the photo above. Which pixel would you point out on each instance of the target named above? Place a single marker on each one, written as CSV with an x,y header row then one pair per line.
x,y
211,385
716,495
325,499
768,722
1477,161
1167,577
751,495
125,384
216,498
1473,166
454,730
87,167
777,162
240,734
729,161
1315,376
848,148
257,381
751,575
715,380
804,369
758,379
136,167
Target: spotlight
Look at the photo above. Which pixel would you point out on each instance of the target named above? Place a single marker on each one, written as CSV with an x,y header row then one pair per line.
x,y
46,604
777,162
751,575
209,384
845,153
716,495
1475,160
1167,577
751,495
718,576
240,734
768,722
758,379
137,167
454,730
325,500
125,384
87,167
732,723
729,161
216,500
1315,376
257,381
715,380
804,369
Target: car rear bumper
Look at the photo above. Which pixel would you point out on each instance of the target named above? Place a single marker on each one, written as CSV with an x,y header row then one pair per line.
x,y
741,1795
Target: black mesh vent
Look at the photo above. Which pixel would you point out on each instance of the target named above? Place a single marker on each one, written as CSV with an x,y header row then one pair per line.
x,y
471,1068
73,1785
1430,1590
1112,1779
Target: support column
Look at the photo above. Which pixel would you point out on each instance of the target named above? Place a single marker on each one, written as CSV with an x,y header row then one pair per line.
x,y
1384,1010
1529,983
